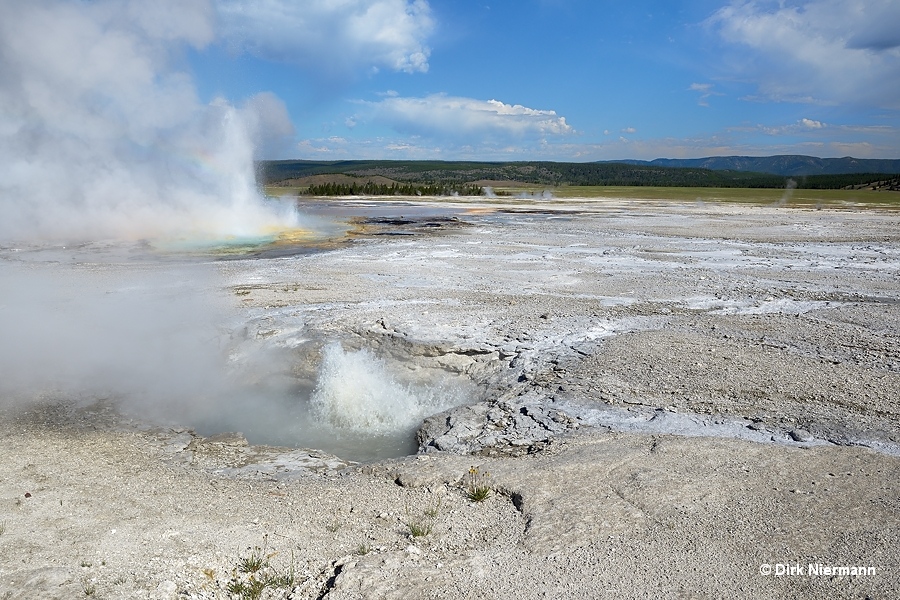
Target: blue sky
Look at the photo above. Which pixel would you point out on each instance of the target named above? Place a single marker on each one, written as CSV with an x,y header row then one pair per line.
x,y
565,79
568,80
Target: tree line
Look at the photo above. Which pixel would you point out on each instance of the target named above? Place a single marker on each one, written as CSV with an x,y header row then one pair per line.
x,y
370,188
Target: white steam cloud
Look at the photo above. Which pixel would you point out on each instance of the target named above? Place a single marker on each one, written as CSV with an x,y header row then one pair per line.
x,y
454,116
148,337
102,137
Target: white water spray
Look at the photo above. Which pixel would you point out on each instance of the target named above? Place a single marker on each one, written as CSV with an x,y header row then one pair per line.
x,y
358,393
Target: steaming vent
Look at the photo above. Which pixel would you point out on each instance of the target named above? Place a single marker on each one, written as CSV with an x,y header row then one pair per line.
x,y
304,393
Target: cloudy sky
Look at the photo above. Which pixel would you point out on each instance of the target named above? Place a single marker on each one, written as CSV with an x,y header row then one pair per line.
x,y
569,80
566,79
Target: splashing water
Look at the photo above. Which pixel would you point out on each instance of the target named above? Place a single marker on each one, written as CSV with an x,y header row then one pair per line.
x,y
357,393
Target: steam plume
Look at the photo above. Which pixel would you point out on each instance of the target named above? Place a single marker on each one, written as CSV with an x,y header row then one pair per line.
x,y
789,188
149,337
102,136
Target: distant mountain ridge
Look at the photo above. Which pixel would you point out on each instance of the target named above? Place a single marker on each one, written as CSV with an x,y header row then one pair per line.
x,y
784,164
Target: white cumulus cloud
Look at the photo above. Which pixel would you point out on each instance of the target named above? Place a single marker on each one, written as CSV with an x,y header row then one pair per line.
x,y
332,36
826,51
453,116
812,124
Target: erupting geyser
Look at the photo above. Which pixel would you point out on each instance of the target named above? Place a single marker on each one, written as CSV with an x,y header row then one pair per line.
x,y
357,393
358,406
106,151
101,137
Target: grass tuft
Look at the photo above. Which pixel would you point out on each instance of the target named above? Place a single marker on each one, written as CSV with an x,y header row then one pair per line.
x,y
251,589
252,563
424,525
254,574
333,527
432,511
420,528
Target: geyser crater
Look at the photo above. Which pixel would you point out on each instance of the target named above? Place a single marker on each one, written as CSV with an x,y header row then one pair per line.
x,y
361,400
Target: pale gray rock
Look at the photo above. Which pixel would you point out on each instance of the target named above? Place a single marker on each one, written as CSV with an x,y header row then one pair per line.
x,y
512,426
801,435
48,582
166,590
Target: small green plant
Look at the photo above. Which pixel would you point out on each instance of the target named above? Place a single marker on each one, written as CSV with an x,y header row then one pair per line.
x,y
284,580
251,589
476,489
422,526
432,511
88,588
363,549
253,563
2,528
254,574
85,564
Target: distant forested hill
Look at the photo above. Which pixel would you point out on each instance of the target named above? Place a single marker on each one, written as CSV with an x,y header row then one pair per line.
x,y
634,173
786,164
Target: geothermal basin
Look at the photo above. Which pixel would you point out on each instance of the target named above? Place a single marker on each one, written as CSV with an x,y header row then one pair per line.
x,y
347,335
639,378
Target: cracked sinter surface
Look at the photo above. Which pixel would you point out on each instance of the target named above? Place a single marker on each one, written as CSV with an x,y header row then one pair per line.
x,y
662,398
